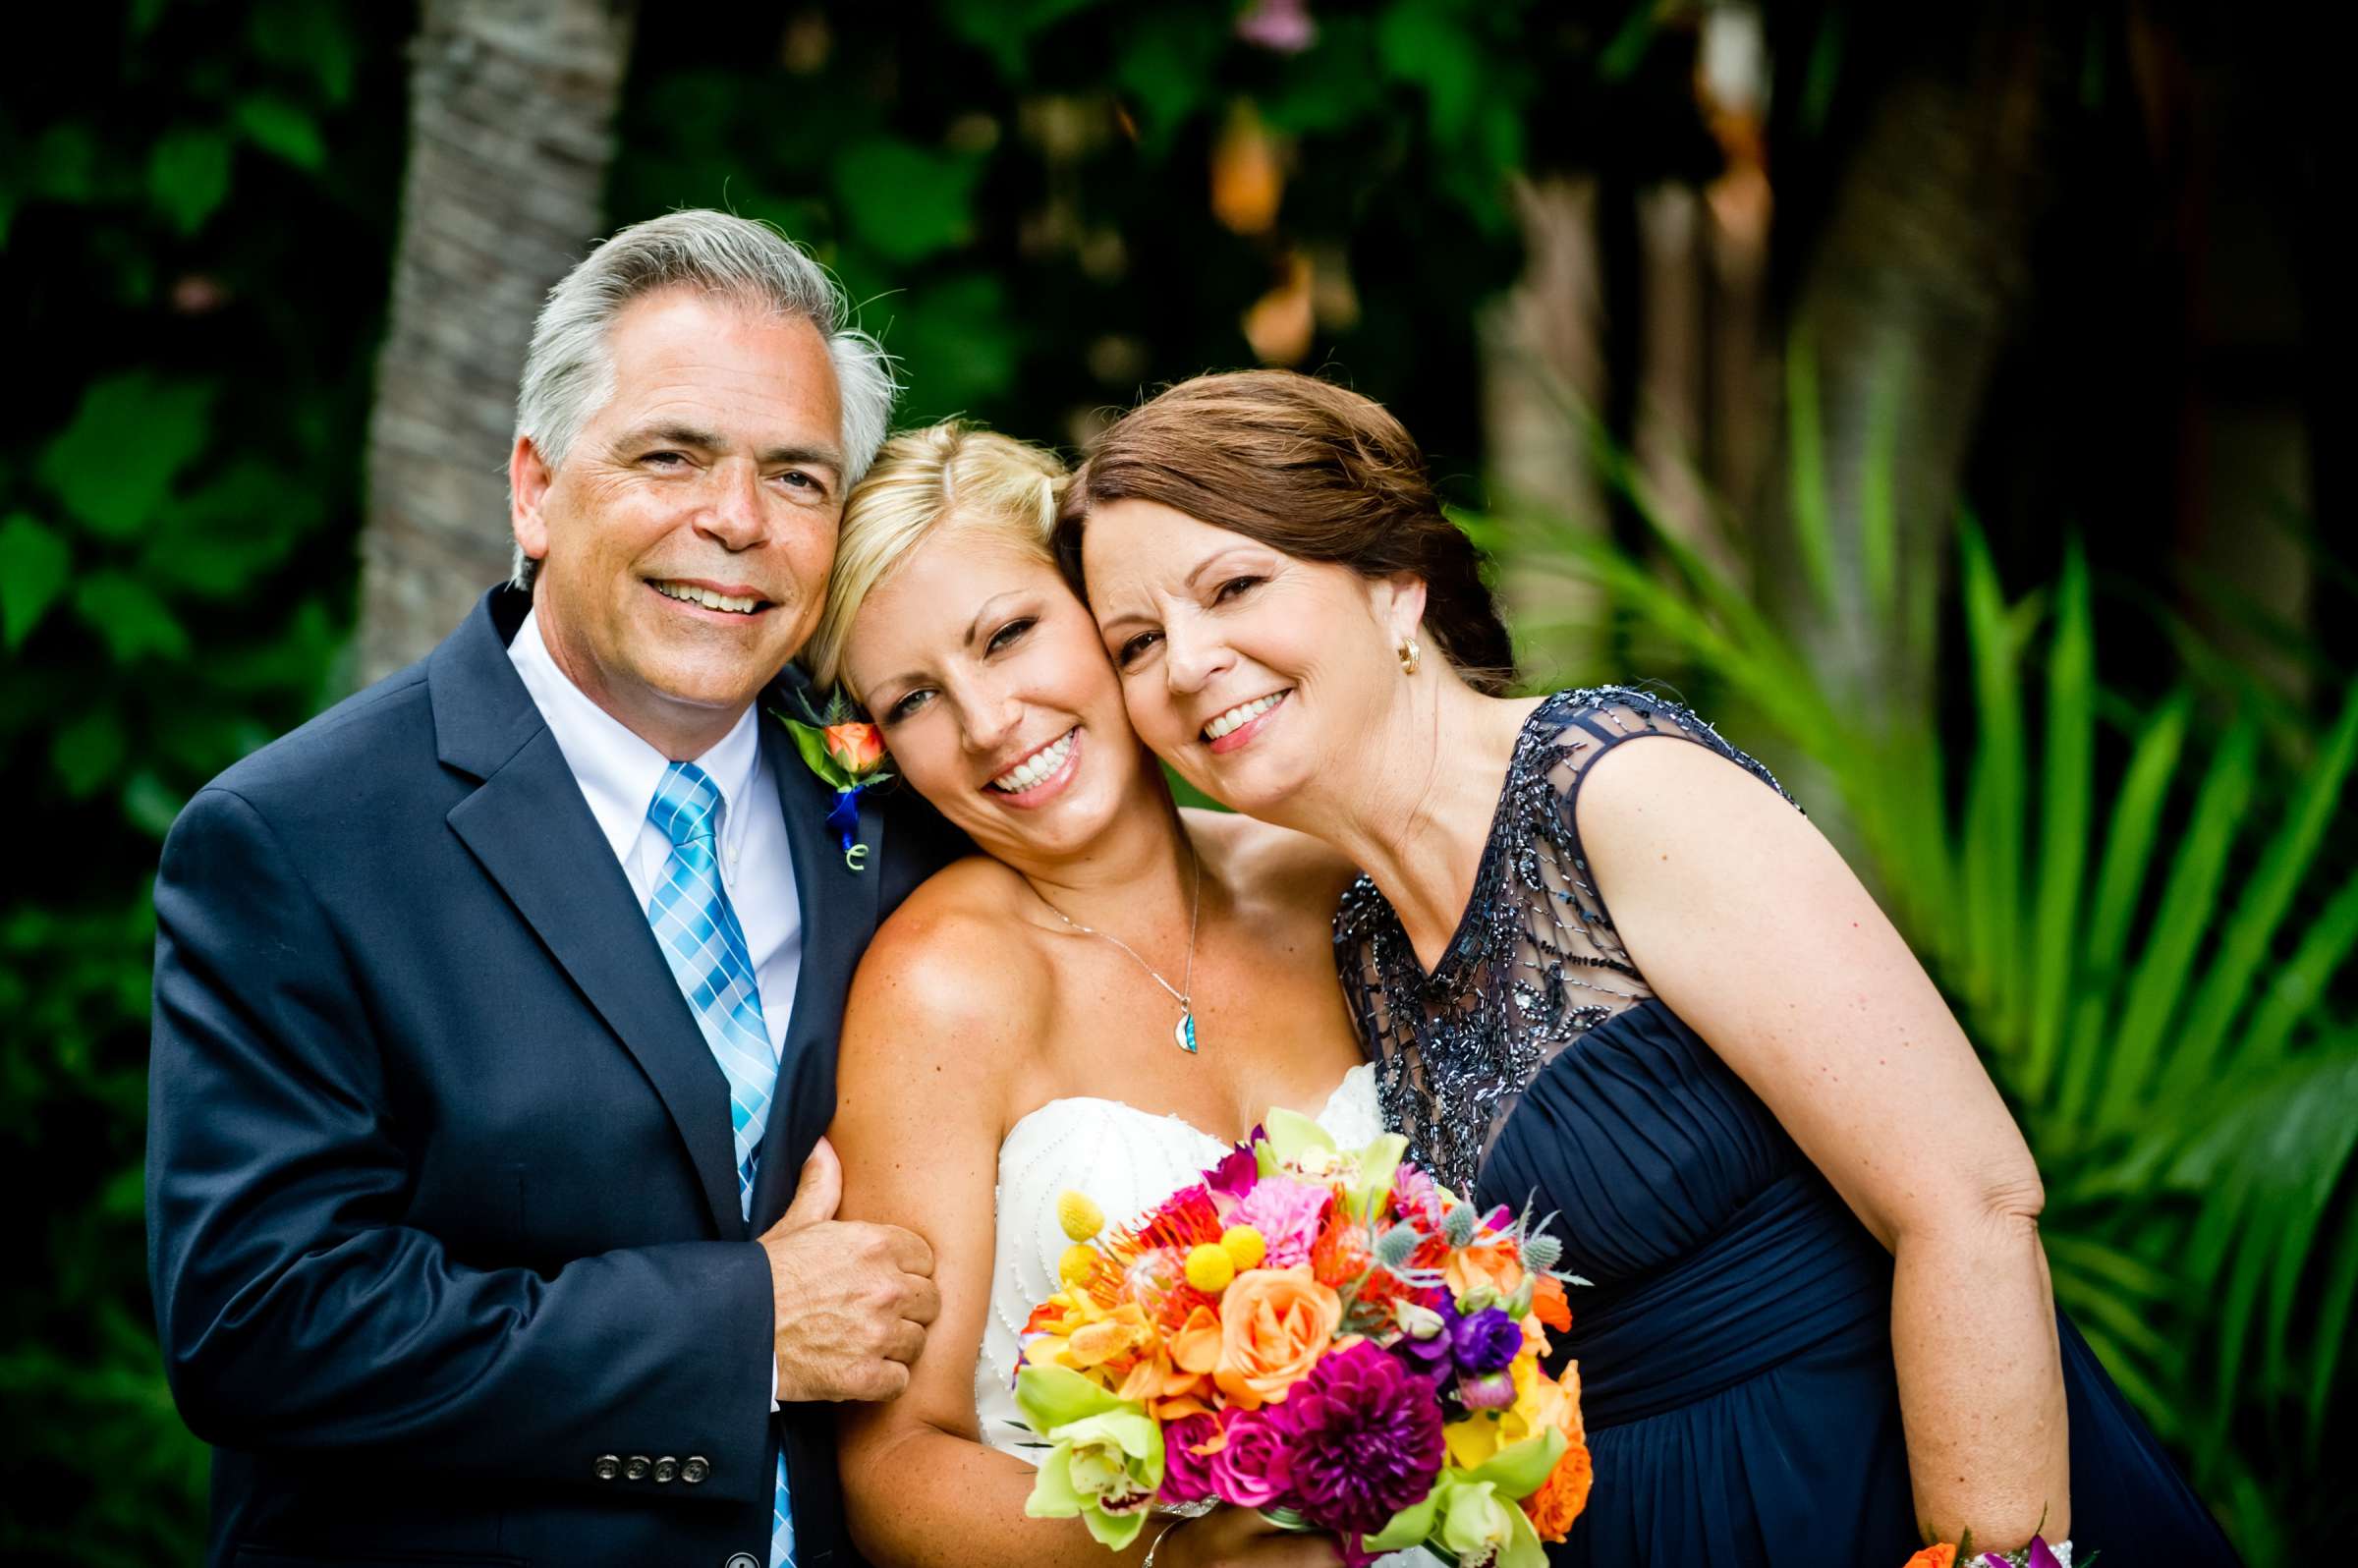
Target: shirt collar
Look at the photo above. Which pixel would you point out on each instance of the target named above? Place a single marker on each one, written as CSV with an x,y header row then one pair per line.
x,y
617,771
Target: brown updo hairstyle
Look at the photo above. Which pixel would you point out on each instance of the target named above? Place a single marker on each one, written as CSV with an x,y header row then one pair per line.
x,y
1309,469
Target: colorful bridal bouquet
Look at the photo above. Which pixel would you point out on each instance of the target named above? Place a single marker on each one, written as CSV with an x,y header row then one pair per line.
x,y
1325,1335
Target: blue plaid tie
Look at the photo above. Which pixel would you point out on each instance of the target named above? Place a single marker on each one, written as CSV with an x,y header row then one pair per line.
x,y
705,947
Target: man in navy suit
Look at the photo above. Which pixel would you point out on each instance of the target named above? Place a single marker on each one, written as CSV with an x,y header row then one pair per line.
x,y
496,1008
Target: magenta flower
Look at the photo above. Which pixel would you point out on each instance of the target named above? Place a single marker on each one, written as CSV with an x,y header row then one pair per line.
x,y
1186,1474
1236,1172
1287,1214
1363,1437
2038,1555
1254,1469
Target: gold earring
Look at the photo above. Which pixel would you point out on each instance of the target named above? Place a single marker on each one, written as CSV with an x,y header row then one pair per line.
x,y
1410,653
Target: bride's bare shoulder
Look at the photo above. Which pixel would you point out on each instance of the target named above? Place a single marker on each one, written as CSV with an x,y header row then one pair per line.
x,y
954,971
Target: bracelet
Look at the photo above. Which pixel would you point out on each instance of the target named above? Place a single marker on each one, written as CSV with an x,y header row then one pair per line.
x,y
1176,1523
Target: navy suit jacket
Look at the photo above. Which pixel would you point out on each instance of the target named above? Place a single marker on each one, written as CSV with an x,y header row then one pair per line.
x,y
443,1223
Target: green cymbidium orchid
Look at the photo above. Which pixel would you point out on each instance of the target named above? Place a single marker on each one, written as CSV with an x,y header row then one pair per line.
x,y
1291,1140
1107,1458
1472,1514
1481,1529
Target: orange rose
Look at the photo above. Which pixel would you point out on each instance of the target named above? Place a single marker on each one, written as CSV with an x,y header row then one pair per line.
x,y
1495,1266
1548,1305
858,746
1275,1325
1562,1496
1941,1556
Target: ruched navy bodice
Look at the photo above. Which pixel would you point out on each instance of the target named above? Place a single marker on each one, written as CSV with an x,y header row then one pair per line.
x,y
1712,1248
1734,1339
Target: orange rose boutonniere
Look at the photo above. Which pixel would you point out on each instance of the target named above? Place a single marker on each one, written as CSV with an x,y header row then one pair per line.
x,y
846,752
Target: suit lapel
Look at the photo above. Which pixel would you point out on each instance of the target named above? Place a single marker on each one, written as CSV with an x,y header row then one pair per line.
x,y
533,832
838,915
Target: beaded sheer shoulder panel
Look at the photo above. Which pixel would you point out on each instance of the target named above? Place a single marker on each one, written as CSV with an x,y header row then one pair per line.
x,y
1535,963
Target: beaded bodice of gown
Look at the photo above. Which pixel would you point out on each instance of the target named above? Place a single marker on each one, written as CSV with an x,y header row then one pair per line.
x,y
1535,963
1127,1160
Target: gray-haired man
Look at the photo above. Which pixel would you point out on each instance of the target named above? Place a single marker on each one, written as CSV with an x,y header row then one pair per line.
x,y
496,1008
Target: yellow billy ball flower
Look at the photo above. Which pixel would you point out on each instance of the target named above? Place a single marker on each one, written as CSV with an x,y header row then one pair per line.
x,y
1209,1268
1080,1261
1245,1247
1078,1215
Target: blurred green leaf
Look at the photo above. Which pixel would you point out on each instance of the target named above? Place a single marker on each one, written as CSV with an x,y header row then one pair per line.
x,y
65,163
958,341
1003,29
35,564
127,614
281,128
114,465
1431,44
219,538
904,201
88,752
188,175
1630,41
1338,81
300,36
1164,72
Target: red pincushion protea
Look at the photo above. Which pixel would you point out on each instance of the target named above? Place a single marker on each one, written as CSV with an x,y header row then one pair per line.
x,y
1183,1221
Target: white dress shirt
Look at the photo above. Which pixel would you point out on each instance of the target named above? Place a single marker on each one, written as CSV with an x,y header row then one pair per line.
x,y
618,773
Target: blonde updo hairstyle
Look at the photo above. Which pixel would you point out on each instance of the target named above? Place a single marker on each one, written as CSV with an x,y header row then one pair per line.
x,y
951,476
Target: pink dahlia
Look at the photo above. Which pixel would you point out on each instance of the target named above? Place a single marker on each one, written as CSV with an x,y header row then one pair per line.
x,y
1287,1214
1363,1437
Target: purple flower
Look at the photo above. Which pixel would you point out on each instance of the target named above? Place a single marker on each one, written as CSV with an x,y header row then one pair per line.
x,y
1428,1357
1485,1341
1254,1469
1490,1391
1236,1172
1363,1437
1186,1474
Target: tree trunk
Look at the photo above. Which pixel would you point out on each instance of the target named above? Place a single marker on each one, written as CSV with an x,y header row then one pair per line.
x,y
511,132
1902,312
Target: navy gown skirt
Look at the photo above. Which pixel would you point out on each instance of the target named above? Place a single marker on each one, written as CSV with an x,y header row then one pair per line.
x,y
1736,1351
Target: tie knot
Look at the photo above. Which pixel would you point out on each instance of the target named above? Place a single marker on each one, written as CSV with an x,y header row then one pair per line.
x,y
686,803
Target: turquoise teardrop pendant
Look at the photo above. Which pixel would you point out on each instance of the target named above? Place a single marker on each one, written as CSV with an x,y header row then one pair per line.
x,y
1183,1032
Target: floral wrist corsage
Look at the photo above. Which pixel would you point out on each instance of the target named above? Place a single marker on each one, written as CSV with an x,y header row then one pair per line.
x,y
1960,1554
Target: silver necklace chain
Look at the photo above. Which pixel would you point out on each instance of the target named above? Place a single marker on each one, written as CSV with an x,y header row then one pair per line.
x,y
1183,993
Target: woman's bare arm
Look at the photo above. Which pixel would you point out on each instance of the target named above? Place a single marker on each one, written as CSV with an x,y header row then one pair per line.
x,y
1748,923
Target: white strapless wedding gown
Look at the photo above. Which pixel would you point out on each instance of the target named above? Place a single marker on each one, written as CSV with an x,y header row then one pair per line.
x,y
1127,1160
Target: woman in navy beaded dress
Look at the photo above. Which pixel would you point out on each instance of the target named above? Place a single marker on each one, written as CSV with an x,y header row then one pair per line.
x,y
1605,966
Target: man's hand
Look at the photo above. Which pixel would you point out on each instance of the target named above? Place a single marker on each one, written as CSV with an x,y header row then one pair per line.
x,y
850,1300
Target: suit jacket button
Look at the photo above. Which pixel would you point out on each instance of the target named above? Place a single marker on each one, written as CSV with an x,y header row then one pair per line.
x,y
744,1560
607,1467
666,1468
635,1467
695,1468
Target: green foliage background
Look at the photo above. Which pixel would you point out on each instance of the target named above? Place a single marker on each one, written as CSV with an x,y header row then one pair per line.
x,y
195,227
